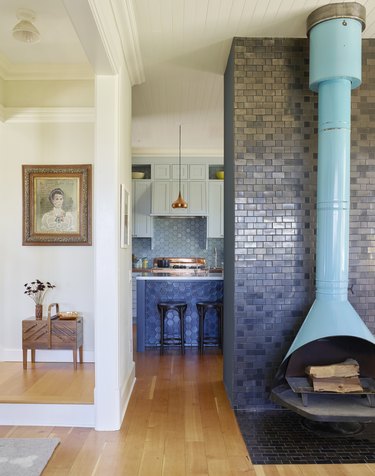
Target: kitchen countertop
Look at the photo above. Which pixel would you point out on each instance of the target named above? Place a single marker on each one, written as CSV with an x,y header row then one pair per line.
x,y
159,270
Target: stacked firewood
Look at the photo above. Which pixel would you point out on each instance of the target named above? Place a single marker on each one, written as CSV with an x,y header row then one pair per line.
x,y
341,378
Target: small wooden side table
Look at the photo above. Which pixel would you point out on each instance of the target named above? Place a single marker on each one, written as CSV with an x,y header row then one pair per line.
x,y
52,333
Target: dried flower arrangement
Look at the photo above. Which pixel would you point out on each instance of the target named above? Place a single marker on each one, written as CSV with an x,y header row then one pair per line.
x,y
37,290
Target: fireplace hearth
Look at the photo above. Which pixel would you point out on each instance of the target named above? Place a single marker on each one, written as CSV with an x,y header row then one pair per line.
x,y
284,437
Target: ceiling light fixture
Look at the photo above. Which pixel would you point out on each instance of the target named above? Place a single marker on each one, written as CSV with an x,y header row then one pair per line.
x,y
180,202
24,30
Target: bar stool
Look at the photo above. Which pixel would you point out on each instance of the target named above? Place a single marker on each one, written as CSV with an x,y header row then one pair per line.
x,y
203,339
180,308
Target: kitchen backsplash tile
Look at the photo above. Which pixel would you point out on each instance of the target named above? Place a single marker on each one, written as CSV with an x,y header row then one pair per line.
x,y
180,237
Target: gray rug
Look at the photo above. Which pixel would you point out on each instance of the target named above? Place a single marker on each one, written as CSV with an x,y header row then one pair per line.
x,y
25,456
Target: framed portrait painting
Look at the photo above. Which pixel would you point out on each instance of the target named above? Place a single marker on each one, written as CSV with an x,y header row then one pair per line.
x,y
124,217
56,204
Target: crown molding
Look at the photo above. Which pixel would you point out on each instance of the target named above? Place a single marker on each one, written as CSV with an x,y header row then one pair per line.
x,y
94,25
34,71
118,30
48,114
128,32
154,152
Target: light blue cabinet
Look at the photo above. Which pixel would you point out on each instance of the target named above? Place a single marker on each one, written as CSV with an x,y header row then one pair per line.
x,y
142,221
194,191
215,224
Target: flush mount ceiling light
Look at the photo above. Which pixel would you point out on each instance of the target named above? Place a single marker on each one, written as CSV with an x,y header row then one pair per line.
x,y
180,202
24,30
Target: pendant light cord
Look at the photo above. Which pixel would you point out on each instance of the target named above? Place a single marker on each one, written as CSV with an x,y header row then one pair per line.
x,y
180,202
179,159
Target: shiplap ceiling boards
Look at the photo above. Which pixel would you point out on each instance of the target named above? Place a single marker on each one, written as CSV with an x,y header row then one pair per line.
x,y
184,45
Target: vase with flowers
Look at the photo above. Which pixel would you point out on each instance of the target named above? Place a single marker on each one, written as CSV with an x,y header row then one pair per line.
x,y
37,290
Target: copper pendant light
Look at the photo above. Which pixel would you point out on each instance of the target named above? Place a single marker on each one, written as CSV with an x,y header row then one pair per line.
x,y
180,202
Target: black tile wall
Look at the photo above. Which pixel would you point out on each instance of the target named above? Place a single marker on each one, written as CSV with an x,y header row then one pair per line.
x,y
275,161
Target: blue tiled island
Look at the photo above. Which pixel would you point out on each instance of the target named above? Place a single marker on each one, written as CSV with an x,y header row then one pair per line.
x,y
191,289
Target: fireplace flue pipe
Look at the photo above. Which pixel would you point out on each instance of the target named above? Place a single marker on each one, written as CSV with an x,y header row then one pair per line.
x,y
335,68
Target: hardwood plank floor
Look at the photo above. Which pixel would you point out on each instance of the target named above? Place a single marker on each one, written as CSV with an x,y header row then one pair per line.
x,y
178,423
47,382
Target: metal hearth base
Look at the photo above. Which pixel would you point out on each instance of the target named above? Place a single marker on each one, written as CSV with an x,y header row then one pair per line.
x,y
325,406
302,386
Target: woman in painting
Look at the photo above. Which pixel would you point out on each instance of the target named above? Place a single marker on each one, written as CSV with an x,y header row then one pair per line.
x,y
57,220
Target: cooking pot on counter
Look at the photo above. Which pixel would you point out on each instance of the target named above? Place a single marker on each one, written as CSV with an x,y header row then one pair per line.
x,y
163,263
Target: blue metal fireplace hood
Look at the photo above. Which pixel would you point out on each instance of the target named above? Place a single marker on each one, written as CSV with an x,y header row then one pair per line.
x,y
335,69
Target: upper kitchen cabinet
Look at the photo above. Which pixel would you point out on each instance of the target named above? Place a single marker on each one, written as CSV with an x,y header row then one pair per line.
x,y
165,189
188,172
163,196
164,193
197,198
197,172
142,221
215,225
165,172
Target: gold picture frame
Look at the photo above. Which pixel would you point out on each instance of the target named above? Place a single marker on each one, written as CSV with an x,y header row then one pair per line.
x,y
56,205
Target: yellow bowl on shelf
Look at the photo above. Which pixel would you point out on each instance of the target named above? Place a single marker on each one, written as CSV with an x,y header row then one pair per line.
x,y
220,174
138,175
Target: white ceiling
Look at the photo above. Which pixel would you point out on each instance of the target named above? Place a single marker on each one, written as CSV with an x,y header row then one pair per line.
x,y
184,46
59,42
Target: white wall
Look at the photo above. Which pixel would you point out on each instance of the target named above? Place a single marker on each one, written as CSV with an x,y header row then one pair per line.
x,y
1,91
2,235
126,364
49,93
71,268
79,272
114,370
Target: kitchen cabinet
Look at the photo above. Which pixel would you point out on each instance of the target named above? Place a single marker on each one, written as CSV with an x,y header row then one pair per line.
x,y
164,193
197,197
197,172
142,221
174,188
215,225
175,172
162,172
161,203
134,296
153,289
165,189
188,172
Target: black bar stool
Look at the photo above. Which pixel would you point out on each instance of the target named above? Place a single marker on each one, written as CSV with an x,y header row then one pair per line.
x,y
203,339
180,308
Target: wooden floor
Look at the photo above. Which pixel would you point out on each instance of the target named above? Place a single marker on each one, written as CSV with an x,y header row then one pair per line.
x,y
46,383
178,422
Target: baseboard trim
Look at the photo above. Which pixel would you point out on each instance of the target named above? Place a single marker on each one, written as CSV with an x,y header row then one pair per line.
x,y
126,391
47,415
